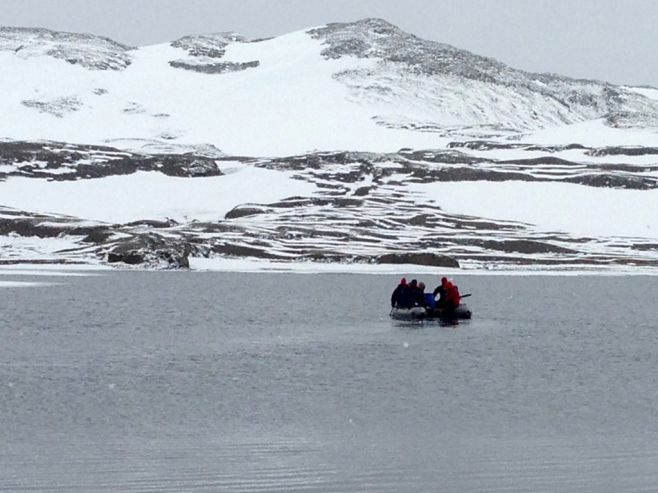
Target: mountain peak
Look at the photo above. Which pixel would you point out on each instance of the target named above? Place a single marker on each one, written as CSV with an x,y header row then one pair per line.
x,y
389,78
375,24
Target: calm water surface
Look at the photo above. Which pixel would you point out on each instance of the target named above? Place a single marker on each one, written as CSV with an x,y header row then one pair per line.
x,y
200,382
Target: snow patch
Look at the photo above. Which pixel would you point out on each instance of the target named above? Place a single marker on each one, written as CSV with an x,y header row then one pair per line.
x,y
565,207
151,195
593,134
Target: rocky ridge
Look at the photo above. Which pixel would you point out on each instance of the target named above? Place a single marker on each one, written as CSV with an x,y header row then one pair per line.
x,y
60,162
428,67
87,50
206,49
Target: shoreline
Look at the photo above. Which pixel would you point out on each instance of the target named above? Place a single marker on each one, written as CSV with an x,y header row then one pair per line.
x,y
202,265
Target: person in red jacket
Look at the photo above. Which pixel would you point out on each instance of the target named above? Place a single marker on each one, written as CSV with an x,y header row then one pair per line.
x,y
453,298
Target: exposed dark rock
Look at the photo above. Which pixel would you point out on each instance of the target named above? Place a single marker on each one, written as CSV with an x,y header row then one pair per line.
x,y
243,251
539,161
152,251
484,145
362,191
40,261
97,235
208,45
107,161
623,151
347,202
214,68
467,174
333,257
205,49
614,181
186,165
431,259
243,211
524,246
29,227
419,220
645,246
87,50
208,227
130,258
443,157
151,223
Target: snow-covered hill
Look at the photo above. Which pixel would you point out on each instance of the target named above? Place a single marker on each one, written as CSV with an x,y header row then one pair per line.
x,y
365,86
346,142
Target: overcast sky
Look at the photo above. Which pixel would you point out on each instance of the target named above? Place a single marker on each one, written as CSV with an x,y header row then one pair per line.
x,y
613,40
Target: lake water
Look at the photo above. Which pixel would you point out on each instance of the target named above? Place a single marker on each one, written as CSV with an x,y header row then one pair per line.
x,y
205,382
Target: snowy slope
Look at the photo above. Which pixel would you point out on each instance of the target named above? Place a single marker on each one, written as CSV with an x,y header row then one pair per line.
x,y
360,86
351,143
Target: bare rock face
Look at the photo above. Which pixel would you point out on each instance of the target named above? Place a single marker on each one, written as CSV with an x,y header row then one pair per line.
x,y
243,211
377,38
151,252
524,246
208,45
87,50
431,259
61,162
214,68
421,66
204,51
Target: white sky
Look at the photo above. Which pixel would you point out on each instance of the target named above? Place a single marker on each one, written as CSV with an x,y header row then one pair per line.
x,y
610,40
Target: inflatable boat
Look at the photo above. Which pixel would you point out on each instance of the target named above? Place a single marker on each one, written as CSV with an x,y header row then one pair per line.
x,y
462,312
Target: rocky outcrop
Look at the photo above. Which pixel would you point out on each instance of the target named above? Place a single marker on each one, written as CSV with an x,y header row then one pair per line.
x,y
243,211
214,68
205,49
425,68
151,251
208,45
60,162
86,50
430,259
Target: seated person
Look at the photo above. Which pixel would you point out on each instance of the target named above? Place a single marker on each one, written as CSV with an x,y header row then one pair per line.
x,y
442,290
400,297
453,298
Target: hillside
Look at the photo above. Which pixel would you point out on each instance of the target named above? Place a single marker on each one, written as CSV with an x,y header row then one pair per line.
x,y
352,143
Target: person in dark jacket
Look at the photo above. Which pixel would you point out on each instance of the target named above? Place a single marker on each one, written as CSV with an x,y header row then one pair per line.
x,y
421,294
416,294
400,296
442,291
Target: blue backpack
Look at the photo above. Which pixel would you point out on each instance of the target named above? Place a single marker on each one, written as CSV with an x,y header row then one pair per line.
x,y
429,300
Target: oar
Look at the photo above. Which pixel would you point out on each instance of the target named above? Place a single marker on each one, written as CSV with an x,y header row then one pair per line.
x,y
465,295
